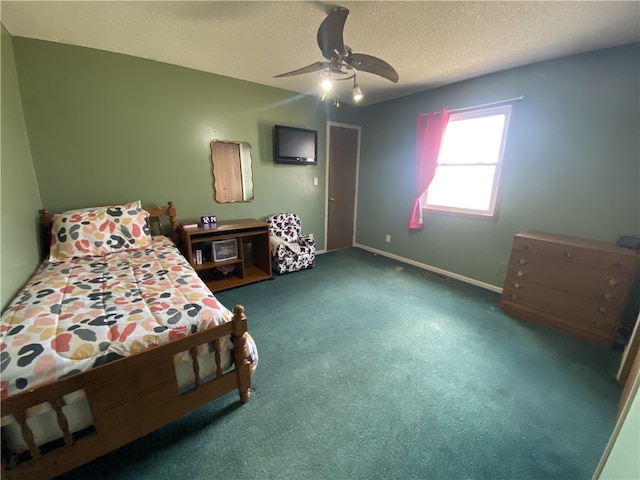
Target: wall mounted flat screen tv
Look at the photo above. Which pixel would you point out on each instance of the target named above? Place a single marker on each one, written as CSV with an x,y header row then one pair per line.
x,y
297,146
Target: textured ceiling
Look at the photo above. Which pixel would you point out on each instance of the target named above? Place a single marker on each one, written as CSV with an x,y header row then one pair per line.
x,y
429,43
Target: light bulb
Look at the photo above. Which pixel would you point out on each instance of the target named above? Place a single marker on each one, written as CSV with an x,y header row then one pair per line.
x,y
357,93
326,84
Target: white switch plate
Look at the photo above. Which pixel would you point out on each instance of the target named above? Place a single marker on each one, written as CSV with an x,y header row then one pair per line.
x,y
315,181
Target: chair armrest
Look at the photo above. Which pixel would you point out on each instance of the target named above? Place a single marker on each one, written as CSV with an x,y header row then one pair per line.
x,y
306,241
282,251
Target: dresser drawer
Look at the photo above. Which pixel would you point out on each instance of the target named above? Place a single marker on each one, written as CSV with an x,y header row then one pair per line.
x,y
580,279
594,314
618,262
521,257
525,245
570,253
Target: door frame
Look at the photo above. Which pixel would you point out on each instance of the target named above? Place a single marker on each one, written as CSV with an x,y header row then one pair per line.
x,y
326,176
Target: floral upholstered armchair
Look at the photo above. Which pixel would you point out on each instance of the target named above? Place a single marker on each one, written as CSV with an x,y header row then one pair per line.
x,y
290,251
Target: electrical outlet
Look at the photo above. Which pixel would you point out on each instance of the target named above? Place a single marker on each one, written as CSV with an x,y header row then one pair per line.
x,y
311,235
388,238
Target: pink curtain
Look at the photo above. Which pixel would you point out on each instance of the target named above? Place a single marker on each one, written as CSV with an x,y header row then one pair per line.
x,y
429,132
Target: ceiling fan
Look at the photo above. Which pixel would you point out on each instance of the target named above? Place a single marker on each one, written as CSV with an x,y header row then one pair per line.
x,y
341,63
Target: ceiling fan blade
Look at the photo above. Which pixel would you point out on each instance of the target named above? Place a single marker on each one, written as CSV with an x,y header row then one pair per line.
x,y
330,34
367,63
314,67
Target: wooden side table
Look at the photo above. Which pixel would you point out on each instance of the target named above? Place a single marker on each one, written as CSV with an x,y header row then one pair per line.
x,y
232,253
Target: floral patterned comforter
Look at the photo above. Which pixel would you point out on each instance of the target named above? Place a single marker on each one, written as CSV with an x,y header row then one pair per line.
x,y
80,313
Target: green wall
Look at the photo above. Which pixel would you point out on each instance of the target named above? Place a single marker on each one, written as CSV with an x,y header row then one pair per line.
x,y
572,163
108,128
623,461
19,196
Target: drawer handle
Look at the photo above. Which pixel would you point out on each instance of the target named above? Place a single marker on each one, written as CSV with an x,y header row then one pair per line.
x,y
604,309
523,261
609,295
513,296
598,324
567,254
520,273
612,282
617,265
517,285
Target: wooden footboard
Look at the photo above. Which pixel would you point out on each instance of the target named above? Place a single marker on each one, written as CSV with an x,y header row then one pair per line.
x,y
128,398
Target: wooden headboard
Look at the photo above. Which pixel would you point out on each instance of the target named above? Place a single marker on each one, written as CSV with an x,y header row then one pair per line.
x,y
156,217
155,221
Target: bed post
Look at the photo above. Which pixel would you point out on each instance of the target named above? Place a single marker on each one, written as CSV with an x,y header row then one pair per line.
x,y
45,233
171,211
241,352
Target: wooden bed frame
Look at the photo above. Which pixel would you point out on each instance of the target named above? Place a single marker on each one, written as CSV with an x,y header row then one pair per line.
x,y
129,397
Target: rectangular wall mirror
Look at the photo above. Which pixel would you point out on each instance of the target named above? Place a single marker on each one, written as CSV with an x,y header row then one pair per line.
x,y
232,171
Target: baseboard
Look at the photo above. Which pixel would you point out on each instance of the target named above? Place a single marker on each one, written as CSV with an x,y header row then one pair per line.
x,y
433,269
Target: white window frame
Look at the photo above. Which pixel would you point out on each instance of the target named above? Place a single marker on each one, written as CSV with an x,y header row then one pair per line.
x,y
492,211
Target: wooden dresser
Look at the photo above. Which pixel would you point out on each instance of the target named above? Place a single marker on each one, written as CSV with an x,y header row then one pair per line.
x,y
577,286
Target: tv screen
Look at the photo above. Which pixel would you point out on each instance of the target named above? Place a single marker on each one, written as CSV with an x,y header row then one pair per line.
x,y
293,145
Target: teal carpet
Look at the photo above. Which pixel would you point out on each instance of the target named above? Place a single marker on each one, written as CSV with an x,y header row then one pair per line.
x,y
371,369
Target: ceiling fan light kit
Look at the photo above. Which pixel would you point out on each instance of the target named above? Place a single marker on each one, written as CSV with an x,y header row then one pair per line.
x,y
341,63
357,93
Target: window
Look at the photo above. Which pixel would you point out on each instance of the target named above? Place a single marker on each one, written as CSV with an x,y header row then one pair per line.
x,y
469,162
